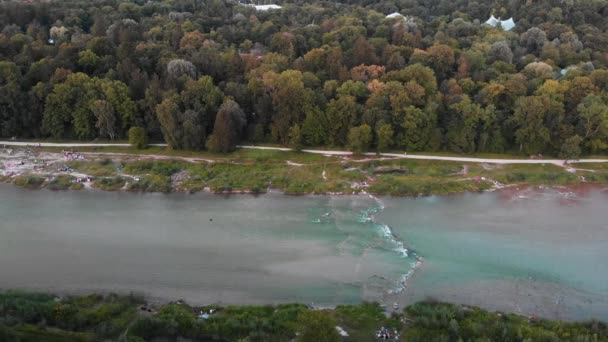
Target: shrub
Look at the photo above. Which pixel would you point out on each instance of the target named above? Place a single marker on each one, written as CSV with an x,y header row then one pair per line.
x,y
61,182
109,184
29,181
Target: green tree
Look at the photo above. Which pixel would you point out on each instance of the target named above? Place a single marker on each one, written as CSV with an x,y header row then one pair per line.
x,y
359,139
168,116
10,104
203,98
314,128
295,137
228,127
290,100
470,128
384,134
68,108
317,326
341,115
571,149
529,116
88,60
116,93
593,122
138,137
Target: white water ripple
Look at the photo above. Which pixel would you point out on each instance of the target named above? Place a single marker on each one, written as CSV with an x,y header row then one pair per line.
x,y
398,246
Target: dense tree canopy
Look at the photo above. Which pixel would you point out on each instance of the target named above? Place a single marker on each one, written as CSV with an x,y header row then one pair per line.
x,y
435,78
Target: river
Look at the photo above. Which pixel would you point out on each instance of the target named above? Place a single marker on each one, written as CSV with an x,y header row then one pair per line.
x,y
536,252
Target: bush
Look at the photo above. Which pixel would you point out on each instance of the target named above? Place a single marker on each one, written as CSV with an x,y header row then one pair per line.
x,y
138,137
109,184
162,168
29,181
62,182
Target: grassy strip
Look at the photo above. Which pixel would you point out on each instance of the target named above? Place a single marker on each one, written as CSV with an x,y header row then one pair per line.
x,y
399,177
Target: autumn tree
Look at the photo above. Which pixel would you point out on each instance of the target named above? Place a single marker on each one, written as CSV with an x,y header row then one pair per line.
x,y
441,58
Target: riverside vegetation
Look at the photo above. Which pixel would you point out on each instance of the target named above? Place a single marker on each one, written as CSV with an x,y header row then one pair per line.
x,y
256,171
36,317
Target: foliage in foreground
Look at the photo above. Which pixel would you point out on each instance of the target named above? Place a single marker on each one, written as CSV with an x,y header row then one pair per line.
x,y
43,317
446,322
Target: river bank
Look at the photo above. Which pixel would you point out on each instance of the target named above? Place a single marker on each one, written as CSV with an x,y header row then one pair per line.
x,y
258,171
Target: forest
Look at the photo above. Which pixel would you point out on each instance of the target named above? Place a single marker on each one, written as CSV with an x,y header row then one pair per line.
x,y
410,75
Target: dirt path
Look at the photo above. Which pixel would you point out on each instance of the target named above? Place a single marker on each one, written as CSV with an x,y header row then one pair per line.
x,y
558,162
46,144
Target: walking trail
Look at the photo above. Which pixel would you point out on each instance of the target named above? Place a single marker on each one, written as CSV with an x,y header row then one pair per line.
x,y
559,162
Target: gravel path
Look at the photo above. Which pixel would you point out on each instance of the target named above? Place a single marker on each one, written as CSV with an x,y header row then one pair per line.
x,y
559,162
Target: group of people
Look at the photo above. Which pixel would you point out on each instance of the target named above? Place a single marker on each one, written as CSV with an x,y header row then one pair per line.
x,y
387,334
72,155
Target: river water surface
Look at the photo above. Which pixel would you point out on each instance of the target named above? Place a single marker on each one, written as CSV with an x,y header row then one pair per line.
x,y
537,252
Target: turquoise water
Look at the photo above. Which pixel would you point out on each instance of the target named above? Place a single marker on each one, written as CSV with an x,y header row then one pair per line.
x,y
534,252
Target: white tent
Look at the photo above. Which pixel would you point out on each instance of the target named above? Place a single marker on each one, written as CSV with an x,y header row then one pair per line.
x,y
492,21
267,7
395,15
506,25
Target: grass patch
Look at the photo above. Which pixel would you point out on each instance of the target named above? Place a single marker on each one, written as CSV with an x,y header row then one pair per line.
x,y
547,174
151,183
161,168
101,168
